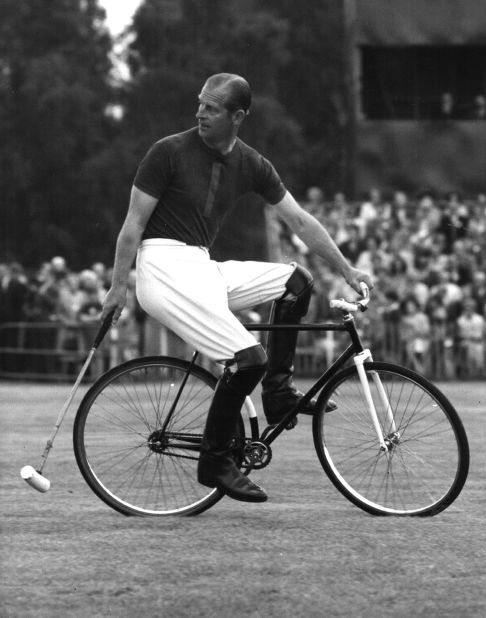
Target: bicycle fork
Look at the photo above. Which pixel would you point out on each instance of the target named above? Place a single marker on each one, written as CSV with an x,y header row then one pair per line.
x,y
393,436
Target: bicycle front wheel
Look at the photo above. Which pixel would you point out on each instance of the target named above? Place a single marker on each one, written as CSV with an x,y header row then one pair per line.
x,y
137,437
420,465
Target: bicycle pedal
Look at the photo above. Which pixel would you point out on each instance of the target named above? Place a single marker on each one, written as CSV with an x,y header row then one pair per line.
x,y
291,424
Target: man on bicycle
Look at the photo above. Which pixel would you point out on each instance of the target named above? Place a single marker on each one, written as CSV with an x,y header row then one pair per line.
x,y
183,189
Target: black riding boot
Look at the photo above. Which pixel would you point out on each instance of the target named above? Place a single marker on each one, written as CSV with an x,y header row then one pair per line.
x,y
217,467
279,394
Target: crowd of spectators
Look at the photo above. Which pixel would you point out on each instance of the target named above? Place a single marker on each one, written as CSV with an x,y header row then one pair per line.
x,y
70,302
54,292
428,260
427,257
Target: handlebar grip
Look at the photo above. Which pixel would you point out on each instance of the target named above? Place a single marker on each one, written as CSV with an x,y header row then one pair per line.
x,y
103,329
344,305
358,305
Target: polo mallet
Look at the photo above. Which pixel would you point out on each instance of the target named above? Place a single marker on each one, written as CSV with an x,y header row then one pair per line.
x,y
35,477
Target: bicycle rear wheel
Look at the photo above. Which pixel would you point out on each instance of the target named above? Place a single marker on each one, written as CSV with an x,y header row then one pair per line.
x,y
425,463
137,436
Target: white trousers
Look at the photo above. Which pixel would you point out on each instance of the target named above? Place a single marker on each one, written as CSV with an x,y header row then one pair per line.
x,y
181,287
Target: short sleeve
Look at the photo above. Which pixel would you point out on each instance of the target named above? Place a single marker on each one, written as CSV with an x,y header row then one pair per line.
x,y
154,171
269,184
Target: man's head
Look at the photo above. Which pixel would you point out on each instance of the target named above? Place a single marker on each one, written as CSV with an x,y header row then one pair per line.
x,y
224,102
232,91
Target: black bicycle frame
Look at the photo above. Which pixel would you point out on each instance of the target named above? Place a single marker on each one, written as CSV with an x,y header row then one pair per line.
x,y
355,347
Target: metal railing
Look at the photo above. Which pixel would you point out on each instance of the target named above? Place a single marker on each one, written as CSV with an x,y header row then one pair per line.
x,y
55,351
48,350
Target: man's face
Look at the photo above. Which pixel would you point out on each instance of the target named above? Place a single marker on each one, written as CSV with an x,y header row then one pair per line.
x,y
215,121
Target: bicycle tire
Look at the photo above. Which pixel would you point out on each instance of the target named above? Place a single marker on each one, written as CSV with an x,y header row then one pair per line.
x,y
426,462
120,450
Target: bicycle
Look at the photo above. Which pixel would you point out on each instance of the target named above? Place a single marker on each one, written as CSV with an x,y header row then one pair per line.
x,y
395,445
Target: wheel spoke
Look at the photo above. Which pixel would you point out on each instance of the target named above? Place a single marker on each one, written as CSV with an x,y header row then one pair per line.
x,y
426,463
121,449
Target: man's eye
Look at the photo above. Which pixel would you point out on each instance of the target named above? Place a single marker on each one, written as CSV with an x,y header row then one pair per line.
x,y
209,109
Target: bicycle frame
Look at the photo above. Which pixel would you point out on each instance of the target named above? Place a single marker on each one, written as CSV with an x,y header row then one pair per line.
x,y
354,350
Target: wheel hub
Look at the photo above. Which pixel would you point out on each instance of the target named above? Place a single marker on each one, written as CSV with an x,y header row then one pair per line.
x,y
157,442
392,440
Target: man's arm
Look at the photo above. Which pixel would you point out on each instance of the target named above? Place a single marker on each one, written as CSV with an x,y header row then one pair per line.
x,y
317,238
141,207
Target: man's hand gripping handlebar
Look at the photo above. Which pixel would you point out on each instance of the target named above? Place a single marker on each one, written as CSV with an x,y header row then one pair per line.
x,y
358,305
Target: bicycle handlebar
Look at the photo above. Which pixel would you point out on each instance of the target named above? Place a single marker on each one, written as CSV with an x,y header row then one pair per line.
x,y
358,305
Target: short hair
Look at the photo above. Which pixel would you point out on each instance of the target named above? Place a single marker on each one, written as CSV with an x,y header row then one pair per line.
x,y
237,90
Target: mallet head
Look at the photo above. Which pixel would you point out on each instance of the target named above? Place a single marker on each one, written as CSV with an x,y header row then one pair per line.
x,y
35,479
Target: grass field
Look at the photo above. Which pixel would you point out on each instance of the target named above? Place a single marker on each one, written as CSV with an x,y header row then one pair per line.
x,y
306,552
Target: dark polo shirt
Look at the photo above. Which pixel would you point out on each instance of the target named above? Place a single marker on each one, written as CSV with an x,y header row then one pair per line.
x,y
197,186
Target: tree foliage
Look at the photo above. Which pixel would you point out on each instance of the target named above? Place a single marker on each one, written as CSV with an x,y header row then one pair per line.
x,y
67,165
54,90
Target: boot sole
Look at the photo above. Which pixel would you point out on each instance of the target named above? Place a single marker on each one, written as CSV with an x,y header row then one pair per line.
x,y
233,495
245,498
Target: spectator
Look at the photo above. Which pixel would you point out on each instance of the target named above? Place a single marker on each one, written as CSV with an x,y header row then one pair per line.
x,y
90,297
372,257
428,218
400,245
4,280
337,218
462,263
400,210
415,334
477,221
314,202
479,112
391,312
354,245
13,297
442,362
103,274
413,286
447,106
396,265
40,307
470,335
454,221
54,297
450,293
478,291
369,211
58,266
14,290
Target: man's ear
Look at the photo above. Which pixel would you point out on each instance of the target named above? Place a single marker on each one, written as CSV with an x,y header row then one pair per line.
x,y
238,117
